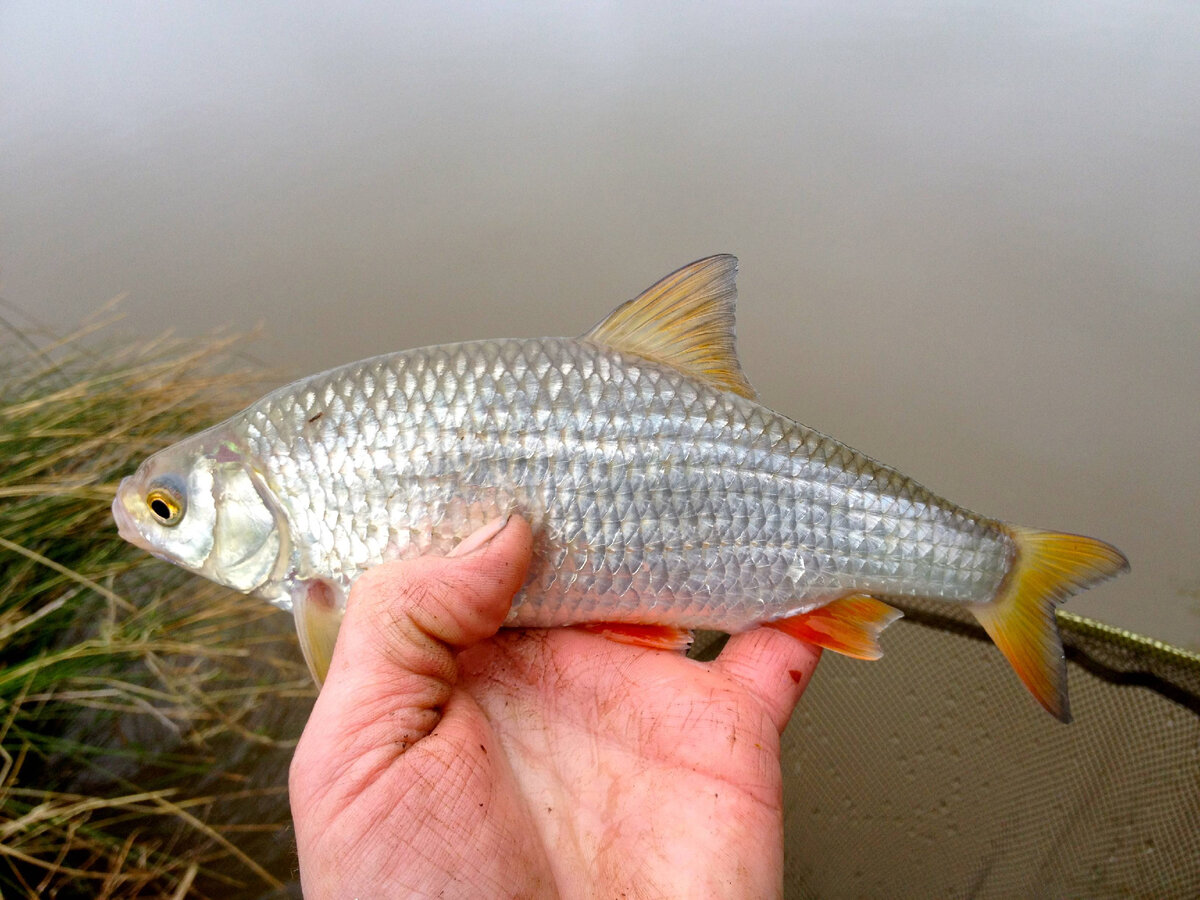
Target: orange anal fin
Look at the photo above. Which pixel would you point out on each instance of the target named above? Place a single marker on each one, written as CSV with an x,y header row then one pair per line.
x,y
850,625
658,637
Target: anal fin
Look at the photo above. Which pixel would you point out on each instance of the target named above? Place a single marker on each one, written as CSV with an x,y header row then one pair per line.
x,y
657,637
849,625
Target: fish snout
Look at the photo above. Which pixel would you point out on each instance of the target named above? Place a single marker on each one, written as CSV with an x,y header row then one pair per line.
x,y
124,519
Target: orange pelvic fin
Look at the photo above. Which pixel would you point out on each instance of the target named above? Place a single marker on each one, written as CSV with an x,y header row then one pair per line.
x,y
850,625
657,637
1049,567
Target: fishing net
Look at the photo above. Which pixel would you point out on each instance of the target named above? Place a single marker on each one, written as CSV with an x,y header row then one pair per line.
x,y
930,774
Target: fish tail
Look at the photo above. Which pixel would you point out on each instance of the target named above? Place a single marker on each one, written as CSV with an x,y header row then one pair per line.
x,y
1049,567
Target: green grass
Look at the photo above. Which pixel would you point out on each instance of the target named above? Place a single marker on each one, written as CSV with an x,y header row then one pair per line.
x,y
146,717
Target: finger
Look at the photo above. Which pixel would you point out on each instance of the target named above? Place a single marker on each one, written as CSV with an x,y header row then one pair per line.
x,y
772,666
393,665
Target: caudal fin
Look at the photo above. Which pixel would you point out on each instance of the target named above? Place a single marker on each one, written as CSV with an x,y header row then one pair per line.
x,y
1048,569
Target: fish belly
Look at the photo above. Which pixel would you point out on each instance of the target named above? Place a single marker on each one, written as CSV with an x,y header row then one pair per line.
x,y
654,497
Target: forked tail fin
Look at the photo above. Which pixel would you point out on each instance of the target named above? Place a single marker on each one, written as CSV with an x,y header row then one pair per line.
x,y
1049,568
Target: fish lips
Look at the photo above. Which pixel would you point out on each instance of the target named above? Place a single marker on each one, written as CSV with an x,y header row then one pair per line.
x,y
126,526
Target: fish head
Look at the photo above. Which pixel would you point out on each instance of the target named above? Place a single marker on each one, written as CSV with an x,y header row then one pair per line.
x,y
202,505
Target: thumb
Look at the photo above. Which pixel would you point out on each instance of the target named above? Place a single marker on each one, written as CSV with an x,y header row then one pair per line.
x,y
393,667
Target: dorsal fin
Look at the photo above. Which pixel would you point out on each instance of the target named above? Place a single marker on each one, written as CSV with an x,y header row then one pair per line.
x,y
685,321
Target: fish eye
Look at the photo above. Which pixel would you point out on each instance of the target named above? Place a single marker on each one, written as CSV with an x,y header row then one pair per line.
x,y
165,502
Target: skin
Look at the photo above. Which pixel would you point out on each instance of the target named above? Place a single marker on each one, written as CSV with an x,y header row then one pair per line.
x,y
443,759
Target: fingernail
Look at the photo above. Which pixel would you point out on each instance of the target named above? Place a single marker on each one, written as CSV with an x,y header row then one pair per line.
x,y
479,539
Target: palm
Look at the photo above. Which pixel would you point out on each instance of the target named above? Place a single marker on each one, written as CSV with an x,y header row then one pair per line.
x,y
637,766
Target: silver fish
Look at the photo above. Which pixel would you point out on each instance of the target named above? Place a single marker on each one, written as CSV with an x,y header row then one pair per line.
x,y
662,496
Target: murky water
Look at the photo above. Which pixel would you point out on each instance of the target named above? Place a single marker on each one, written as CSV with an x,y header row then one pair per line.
x,y
969,233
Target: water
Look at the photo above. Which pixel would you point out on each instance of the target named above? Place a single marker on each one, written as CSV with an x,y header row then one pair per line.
x,y
968,232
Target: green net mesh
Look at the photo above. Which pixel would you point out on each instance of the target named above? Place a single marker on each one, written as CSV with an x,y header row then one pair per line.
x,y
931,774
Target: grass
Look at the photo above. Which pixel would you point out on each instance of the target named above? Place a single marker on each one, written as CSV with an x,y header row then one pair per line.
x,y
146,717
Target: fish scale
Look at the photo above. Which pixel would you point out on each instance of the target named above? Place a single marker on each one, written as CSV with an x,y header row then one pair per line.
x,y
698,489
661,494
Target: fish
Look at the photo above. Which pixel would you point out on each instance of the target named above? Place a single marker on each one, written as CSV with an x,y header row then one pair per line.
x,y
662,495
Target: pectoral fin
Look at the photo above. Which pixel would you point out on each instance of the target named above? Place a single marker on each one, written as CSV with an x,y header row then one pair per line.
x,y
850,625
318,619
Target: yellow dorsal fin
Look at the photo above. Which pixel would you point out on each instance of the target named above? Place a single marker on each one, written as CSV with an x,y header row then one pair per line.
x,y
685,321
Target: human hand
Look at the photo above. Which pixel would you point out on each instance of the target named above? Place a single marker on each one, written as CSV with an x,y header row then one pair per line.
x,y
444,759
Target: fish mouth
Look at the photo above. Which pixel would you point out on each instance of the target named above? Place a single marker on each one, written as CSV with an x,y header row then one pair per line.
x,y
126,527
128,530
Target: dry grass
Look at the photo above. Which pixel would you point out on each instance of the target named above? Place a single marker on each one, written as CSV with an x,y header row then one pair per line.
x,y
146,717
